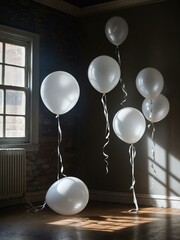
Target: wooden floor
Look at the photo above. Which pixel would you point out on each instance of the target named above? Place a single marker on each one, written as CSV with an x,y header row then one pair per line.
x,y
98,221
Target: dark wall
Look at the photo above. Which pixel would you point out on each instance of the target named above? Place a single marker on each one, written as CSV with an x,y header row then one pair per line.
x,y
58,52
153,41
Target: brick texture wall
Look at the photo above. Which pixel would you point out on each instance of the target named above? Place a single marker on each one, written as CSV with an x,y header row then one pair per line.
x,y
58,51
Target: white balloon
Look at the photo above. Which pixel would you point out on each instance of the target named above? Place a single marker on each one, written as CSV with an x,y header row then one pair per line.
x,y
129,125
67,196
116,30
104,73
149,82
59,92
157,109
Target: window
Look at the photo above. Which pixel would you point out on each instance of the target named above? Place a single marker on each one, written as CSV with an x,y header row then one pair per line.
x,y
19,92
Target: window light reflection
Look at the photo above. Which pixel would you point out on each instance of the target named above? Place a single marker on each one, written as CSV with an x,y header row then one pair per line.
x,y
105,223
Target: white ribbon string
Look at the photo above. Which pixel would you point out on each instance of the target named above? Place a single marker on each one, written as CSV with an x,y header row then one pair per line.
x,y
151,125
107,130
153,145
132,154
123,86
60,162
36,209
118,56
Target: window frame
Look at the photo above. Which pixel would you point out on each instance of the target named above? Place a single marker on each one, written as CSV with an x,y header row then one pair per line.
x,y
13,36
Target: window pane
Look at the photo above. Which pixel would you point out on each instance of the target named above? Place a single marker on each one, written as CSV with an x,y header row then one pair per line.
x,y
0,74
15,102
1,126
15,54
1,101
14,76
1,52
15,127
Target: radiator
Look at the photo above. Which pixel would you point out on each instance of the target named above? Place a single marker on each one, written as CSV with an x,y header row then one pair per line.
x,y
12,173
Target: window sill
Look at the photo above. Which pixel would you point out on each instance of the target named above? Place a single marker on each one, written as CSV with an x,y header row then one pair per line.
x,y
29,147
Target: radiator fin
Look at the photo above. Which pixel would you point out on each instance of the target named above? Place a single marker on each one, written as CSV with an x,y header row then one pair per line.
x,y
12,173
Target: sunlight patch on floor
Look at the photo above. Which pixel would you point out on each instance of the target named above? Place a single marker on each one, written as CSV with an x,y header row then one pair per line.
x,y
104,222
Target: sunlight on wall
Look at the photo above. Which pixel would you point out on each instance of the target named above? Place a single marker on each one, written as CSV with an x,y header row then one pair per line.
x,y
156,168
174,175
164,171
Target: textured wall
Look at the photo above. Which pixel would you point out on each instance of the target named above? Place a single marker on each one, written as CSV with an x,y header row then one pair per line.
x,y
153,41
58,51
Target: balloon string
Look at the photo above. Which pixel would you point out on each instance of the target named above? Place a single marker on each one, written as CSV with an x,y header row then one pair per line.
x,y
60,162
118,56
152,140
123,86
107,131
132,154
36,209
152,150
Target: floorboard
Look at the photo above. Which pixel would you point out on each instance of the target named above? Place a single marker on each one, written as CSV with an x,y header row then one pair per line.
x,y
98,221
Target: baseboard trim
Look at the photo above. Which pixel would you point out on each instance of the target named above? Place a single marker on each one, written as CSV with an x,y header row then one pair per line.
x,y
143,199
119,197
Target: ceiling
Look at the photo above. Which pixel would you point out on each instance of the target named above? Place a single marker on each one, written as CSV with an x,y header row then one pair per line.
x,y
87,3
80,8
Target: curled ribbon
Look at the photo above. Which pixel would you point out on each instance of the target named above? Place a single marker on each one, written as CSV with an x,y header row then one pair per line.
x,y
107,129
153,154
151,125
153,145
123,86
36,209
60,162
132,154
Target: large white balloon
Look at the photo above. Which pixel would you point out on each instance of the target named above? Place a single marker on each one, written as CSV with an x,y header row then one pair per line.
x,y
59,92
116,30
129,125
149,82
67,196
157,109
104,73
